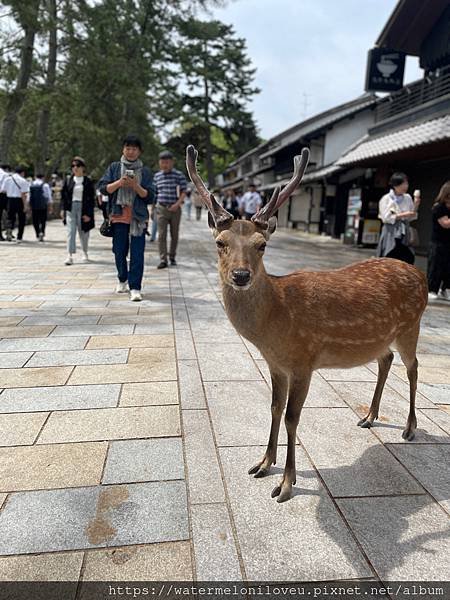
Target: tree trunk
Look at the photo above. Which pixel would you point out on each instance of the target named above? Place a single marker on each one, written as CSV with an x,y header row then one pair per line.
x,y
16,99
208,146
44,116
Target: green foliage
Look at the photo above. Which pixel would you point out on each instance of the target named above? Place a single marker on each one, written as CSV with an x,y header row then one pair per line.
x,y
135,66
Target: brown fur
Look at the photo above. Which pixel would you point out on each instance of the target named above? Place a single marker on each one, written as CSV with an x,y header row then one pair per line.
x,y
310,320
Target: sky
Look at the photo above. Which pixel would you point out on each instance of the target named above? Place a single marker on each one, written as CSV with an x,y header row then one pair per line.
x,y
316,48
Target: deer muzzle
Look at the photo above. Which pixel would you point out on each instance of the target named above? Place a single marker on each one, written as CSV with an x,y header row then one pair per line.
x,y
241,277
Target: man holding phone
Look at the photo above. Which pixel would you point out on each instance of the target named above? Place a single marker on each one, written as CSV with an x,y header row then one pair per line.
x,y
170,192
129,187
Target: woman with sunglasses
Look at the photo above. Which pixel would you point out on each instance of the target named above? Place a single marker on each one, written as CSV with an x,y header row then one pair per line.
x,y
78,201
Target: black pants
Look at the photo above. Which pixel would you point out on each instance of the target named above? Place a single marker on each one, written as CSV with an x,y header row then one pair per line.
x,y
15,207
438,271
401,252
3,208
39,220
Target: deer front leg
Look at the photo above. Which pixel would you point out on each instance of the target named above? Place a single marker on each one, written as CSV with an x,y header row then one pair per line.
x,y
279,396
298,390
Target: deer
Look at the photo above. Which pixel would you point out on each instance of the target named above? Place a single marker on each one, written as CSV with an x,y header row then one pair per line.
x,y
309,320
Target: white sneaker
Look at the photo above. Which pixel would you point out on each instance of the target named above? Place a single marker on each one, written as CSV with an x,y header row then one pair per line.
x,y
135,296
85,258
69,260
444,294
18,241
122,287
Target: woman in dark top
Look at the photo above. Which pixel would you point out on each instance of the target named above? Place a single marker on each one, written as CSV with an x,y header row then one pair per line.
x,y
439,255
230,203
77,208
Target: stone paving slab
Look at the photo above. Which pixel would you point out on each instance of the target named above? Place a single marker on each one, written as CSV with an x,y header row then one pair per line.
x,y
11,378
191,387
111,424
203,470
26,332
128,373
132,461
43,344
149,394
152,356
131,341
13,360
77,518
68,330
440,417
184,345
53,466
225,362
168,561
59,320
21,429
2,499
437,393
429,464
42,567
78,357
356,374
427,374
304,539
215,551
58,398
405,538
6,321
351,460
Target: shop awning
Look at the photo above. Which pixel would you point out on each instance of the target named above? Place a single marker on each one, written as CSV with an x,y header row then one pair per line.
x,y
435,130
321,173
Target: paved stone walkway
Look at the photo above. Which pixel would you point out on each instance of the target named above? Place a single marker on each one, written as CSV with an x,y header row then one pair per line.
x,y
126,432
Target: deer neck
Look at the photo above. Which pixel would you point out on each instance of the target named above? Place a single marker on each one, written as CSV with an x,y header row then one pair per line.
x,y
248,310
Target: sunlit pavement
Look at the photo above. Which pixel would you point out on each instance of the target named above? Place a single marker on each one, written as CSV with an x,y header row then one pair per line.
x,y
127,429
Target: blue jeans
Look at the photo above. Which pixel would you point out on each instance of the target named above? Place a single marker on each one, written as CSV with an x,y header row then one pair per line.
x,y
122,243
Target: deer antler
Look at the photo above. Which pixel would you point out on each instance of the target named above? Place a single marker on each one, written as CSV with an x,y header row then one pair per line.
x,y
222,218
279,197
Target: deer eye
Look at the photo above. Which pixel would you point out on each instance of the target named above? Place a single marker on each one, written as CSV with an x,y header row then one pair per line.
x,y
220,245
262,247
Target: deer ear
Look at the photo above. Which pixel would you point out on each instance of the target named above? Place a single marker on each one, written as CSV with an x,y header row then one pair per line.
x,y
211,223
271,226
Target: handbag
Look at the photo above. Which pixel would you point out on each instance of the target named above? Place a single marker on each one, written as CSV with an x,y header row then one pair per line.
x,y
106,228
413,237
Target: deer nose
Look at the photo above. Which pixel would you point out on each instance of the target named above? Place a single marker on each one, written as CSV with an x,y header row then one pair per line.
x,y
241,276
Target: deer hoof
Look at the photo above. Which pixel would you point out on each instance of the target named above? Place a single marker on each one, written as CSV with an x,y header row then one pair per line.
x,y
282,493
261,472
365,423
408,434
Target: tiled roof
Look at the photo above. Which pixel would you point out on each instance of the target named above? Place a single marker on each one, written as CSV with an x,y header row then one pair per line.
x,y
321,173
409,137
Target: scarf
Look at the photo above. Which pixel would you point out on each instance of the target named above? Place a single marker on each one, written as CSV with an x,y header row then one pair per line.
x,y
126,196
400,227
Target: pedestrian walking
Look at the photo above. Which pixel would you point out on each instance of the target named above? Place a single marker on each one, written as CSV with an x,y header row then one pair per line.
x,y
197,201
230,203
250,202
188,203
170,192
40,200
4,172
397,209
129,186
16,189
78,202
439,253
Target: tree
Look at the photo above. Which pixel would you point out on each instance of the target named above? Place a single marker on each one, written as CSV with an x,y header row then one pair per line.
x,y
26,14
219,78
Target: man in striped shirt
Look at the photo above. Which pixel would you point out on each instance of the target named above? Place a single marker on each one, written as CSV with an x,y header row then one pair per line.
x,y
170,192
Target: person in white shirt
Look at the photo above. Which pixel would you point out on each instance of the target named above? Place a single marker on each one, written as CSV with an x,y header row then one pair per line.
x,y
40,199
397,209
16,188
251,202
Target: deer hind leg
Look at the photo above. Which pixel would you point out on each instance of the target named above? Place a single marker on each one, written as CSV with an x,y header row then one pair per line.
x,y
279,396
298,390
384,364
406,346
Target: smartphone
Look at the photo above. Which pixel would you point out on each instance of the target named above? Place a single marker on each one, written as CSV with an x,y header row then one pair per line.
x,y
129,173
416,193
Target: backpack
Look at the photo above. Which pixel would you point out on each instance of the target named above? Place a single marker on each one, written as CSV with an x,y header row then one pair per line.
x,y
37,199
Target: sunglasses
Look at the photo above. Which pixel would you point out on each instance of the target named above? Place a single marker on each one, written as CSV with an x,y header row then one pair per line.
x,y
76,165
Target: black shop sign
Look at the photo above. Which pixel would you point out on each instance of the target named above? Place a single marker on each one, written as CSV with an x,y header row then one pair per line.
x,y
385,69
